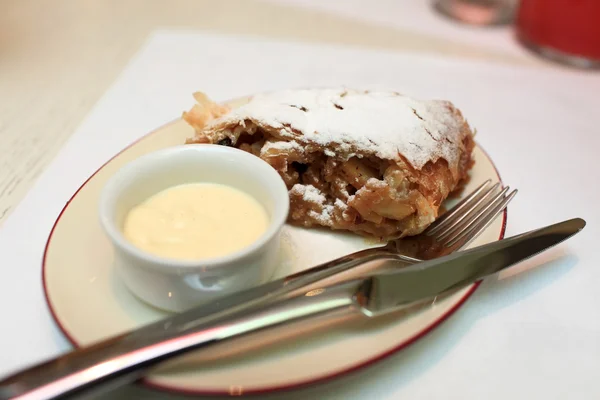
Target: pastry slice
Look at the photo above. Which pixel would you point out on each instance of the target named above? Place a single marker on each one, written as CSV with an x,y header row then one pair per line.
x,y
377,163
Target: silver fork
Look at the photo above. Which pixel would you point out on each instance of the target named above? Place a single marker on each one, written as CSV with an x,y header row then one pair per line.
x,y
451,232
457,227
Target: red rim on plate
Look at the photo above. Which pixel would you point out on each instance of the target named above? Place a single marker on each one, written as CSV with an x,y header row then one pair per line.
x,y
268,389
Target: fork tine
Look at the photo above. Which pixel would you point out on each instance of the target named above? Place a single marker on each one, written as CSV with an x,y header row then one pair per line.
x,y
460,218
457,210
472,217
468,235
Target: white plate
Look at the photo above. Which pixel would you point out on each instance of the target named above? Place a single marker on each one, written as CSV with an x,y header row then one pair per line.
x,y
89,303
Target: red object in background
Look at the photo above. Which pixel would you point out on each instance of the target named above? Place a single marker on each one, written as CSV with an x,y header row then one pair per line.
x,y
565,30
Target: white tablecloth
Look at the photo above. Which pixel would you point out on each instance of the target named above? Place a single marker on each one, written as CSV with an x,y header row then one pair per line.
x,y
533,332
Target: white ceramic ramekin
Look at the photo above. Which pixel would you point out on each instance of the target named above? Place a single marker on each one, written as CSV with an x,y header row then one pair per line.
x,y
177,285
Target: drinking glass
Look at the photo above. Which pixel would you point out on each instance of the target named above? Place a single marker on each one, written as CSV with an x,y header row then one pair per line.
x,y
477,12
567,31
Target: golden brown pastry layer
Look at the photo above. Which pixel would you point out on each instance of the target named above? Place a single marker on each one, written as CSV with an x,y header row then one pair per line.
x,y
375,163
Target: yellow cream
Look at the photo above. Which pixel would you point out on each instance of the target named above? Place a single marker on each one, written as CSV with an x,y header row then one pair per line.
x,y
195,221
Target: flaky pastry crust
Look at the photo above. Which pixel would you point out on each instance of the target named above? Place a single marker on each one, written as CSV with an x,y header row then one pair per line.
x,y
375,163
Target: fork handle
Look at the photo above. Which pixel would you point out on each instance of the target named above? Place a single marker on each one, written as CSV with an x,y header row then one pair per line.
x,y
281,288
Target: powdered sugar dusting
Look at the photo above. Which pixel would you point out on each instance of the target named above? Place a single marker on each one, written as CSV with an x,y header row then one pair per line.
x,y
324,217
376,183
309,193
386,124
282,145
340,204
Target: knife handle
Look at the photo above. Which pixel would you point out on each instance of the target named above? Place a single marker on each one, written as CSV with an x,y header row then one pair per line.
x,y
120,360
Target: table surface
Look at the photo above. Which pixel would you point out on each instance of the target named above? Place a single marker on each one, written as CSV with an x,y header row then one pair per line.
x,y
57,59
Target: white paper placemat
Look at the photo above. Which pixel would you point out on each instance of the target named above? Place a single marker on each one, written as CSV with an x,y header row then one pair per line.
x,y
528,335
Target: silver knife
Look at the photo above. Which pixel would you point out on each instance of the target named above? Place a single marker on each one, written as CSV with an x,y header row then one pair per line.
x,y
127,357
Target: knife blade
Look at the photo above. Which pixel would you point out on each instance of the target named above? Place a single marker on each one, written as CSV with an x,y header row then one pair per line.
x,y
128,357
426,280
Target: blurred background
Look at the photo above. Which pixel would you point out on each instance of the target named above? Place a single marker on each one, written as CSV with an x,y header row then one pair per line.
x,y
57,58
